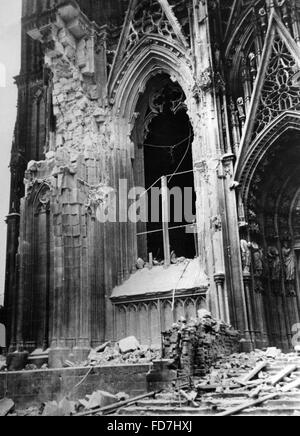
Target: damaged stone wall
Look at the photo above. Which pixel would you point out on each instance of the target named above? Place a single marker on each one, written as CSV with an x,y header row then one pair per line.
x,y
84,258
196,346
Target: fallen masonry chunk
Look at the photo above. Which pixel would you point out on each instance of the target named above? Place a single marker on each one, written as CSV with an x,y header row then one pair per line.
x,y
63,408
273,352
190,397
129,344
6,406
99,399
203,313
102,347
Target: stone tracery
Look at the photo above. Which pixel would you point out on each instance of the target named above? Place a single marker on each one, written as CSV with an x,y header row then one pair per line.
x,y
149,18
280,92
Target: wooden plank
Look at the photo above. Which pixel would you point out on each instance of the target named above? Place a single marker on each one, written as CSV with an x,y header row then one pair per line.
x,y
254,372
282,374
290,386
287,388
113,407
249,404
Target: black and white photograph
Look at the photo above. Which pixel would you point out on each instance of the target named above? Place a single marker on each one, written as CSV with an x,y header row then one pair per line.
x,y
149,211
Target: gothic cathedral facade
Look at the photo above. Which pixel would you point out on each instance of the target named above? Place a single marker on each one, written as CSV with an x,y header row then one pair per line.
x,y
133,90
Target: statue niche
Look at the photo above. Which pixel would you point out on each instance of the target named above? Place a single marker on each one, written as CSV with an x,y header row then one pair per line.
x,y
274,269
289,268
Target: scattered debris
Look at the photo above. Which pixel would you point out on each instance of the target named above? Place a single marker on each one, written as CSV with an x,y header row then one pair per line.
x,y
234,384
190,397
114,407
128,351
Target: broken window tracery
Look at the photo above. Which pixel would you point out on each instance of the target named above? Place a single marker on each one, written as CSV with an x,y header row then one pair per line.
x,y
280,92
148,18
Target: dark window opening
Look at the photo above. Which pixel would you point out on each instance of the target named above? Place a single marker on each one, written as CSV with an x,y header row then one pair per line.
x,y
168,150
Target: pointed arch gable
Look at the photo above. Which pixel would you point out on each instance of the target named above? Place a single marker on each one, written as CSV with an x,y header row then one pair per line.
x,y
123,52
275,28
152,60
261,146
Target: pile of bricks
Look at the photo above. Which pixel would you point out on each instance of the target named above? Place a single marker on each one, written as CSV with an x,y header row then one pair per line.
x,y
196,346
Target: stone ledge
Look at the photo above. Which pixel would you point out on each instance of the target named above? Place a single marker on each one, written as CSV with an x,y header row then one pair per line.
x,y
31,388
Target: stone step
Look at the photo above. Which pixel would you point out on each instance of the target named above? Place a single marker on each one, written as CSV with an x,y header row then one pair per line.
x,y
288,396
290,403
282,411
165,411
188,411
287,405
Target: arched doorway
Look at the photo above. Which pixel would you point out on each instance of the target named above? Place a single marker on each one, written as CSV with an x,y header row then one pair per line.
x,y
272,206
163,137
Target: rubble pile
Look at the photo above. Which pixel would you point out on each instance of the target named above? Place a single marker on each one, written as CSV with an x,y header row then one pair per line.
x,y
127,351
65,407
196,345
227,372
255,382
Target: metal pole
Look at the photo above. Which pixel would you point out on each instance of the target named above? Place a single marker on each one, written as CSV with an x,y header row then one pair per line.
x,y
165,220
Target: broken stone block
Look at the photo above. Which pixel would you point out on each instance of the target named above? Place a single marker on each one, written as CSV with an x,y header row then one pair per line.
x,y
63,408
203,313
99,399
273,352
102,347
121,396
6,406
140,263
129,344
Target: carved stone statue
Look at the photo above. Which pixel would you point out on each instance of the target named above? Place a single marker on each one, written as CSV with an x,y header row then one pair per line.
x,y
258,266
274,268
246,256
289,267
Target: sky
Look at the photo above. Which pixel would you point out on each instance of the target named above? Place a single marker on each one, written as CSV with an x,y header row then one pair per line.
x,y
10,42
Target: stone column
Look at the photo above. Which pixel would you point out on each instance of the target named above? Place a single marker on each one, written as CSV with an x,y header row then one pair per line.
x,y
11,285
249,333
59,352
234,279
222,298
